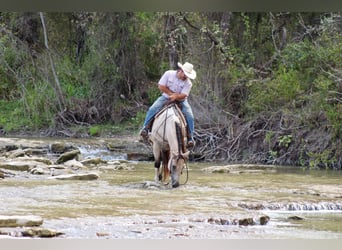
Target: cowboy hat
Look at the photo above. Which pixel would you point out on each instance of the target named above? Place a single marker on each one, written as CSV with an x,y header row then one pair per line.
x,y
188,70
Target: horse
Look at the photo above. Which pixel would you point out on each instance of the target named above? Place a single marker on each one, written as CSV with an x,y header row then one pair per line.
x,y
168,139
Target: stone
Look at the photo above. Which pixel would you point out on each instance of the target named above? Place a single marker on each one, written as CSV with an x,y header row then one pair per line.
x,y
295,217
74,165
68,156
81,176
136,156
264,220
58,147
41,232
11,147
16,153
246,222
39,171
93,161
43,160
18,165
20,221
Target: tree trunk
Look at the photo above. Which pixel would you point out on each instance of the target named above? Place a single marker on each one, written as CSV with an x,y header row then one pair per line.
x,y
56,84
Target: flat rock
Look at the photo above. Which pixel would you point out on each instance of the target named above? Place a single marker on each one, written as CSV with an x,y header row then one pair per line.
x,y
20,221
73,164
19,165
93,161
41,232
240,169
80,176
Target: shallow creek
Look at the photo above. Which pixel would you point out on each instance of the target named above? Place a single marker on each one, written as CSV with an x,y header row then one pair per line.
x,y
127,204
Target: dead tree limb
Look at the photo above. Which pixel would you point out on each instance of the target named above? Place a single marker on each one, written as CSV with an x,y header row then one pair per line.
x,y
56,85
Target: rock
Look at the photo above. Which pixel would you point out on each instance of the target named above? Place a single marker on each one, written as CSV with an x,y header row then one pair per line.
x,y
18,165
60,171
7,173
81,176
41,233
74,165
43,160
60,147
39,171
116,167
68,156
20,221
295,218
100,234
115,147
246,222
240,169
264,220
16,153
133,156
218,221
93,161
35,151
11,147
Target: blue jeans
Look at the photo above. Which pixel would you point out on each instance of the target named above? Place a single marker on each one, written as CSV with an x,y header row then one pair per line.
x,y
158,105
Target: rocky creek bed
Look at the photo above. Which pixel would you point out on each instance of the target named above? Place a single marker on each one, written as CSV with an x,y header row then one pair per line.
x,y
105,188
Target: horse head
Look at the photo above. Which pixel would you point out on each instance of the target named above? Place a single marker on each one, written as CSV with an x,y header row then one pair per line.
x,y
176,164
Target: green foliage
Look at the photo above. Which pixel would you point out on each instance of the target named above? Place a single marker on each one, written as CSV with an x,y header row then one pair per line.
x,y
138,120
94,130
278,93
39,104
153,93
73,79
13,116
285,140
321,159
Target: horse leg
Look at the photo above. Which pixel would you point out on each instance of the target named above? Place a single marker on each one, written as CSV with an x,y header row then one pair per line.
x,y
166,170
157,174
174,176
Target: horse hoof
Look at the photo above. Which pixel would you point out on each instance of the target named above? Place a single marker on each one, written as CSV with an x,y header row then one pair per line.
x,y
175,185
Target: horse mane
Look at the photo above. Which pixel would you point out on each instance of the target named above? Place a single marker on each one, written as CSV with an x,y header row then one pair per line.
x,y
180,136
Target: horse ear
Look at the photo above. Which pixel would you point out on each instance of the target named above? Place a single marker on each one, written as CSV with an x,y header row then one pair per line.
x,y
186,154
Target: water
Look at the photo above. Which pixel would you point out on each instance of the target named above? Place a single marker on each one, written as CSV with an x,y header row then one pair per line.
x,y
301,204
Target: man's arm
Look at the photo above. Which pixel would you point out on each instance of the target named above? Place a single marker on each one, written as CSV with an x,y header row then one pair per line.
x,y
172,96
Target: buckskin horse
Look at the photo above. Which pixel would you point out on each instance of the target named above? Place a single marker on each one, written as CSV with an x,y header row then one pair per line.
x,y
168,138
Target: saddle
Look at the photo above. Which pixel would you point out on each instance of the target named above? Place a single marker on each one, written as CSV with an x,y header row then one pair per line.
x,y
178,106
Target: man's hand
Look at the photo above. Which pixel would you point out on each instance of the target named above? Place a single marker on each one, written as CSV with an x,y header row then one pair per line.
x,y
172,96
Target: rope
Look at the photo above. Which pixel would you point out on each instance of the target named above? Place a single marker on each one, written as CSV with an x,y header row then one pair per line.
x,y
187,174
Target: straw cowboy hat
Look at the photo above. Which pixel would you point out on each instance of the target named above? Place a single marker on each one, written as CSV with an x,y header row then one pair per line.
x,y
188,70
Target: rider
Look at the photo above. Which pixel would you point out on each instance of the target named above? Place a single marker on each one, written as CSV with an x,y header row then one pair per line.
x,y
175,85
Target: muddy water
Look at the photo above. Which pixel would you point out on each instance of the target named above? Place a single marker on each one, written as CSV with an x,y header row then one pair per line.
x,y
127,204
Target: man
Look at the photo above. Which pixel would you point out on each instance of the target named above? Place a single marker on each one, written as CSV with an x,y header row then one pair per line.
x,y
175,85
